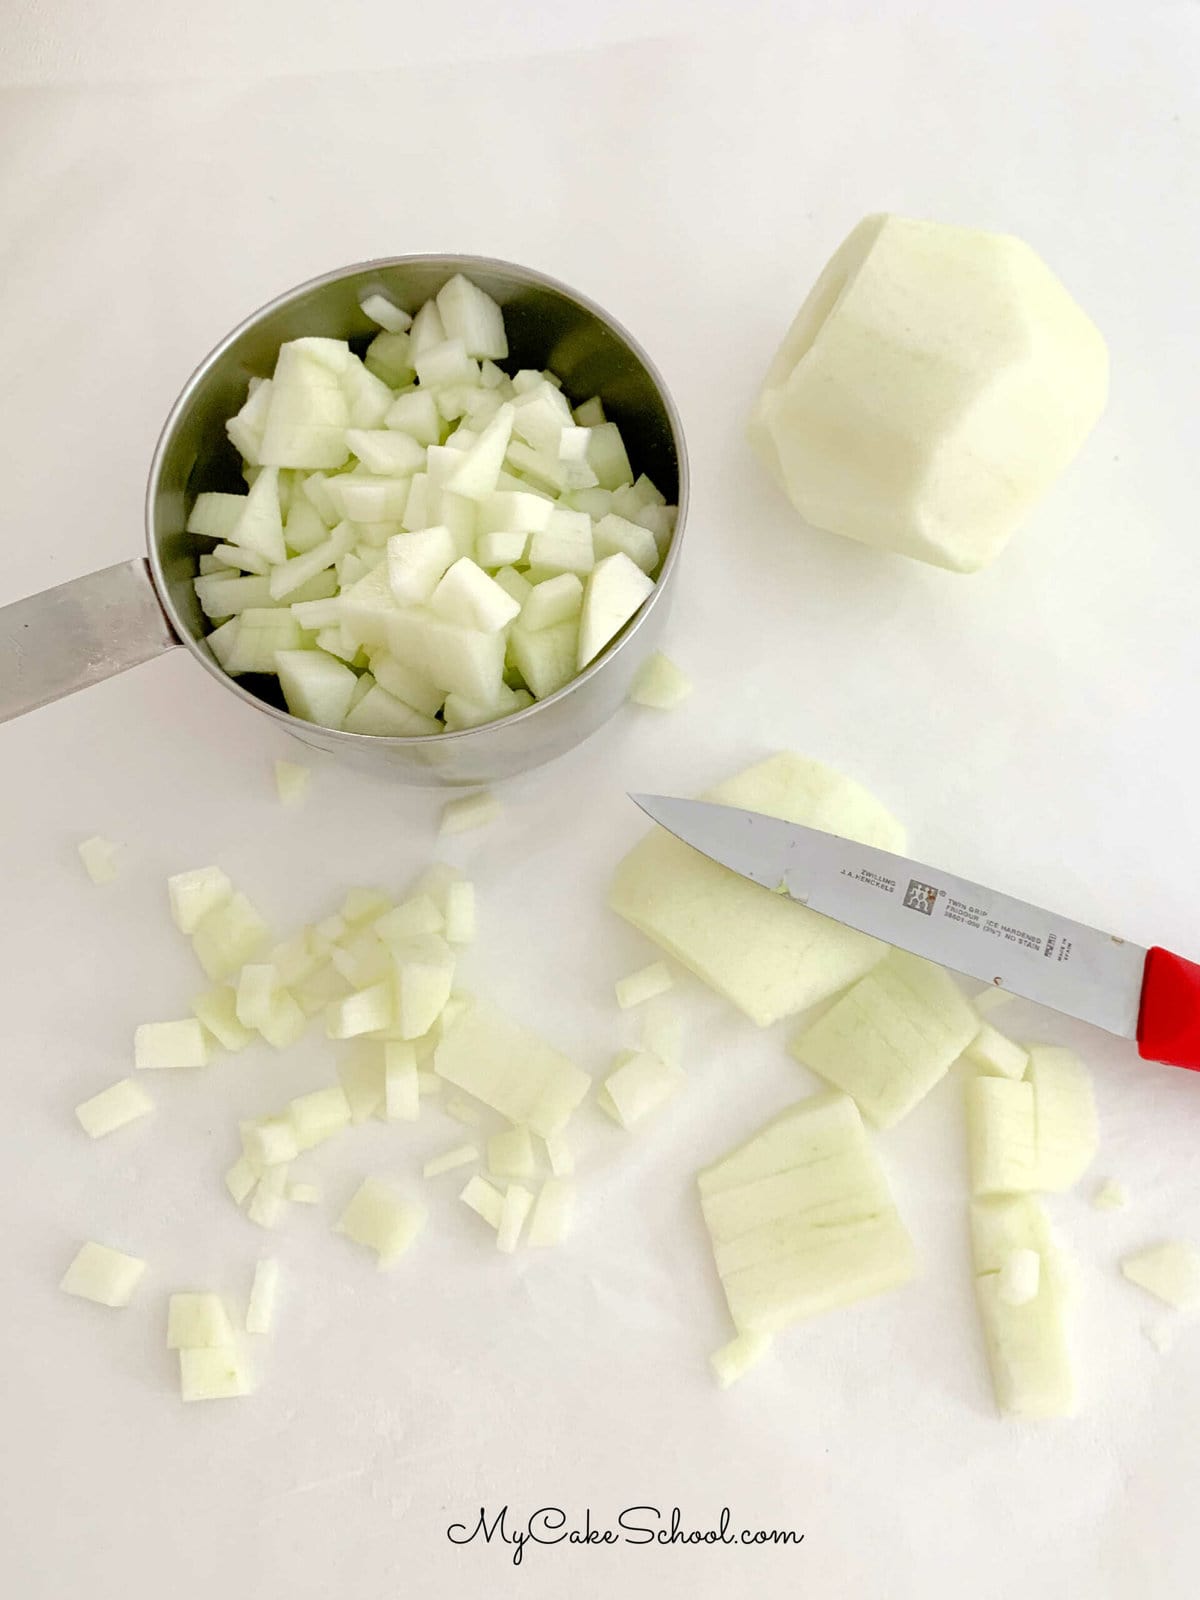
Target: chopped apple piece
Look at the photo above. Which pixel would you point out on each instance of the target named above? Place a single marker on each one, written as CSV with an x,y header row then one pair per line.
x,y
644,984
227,936
361,1073
211,1375
660,684
552,1212
113,1108
516,1207
762,951
241,1179
197,1322
615,590
1170,1272
801,1219
560,1155
1002,1135
167,1045
401,1082
991,1052
269,1200
511,1070
103,1275
291,782
1067,1133
194,894
637,1085
319,1116
510,1154
472,811
99,857
379,1219
1026,1342
364,1011
217,1011
484,1199
260,1312
891,1037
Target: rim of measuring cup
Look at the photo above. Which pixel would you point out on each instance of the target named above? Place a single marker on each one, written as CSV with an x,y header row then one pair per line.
x,y
465,264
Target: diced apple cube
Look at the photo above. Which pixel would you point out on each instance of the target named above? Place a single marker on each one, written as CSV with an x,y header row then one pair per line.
x,y
362,1012
211,1375
1170,1272
637,1085
460,660
103,1275
1067,1131
546,659
552,602
607,457
385,312
472,811
315,685
484,1199
197,1322
493,550
379,712
380,1220
644,984
168,1045
614,534
319,1116
113,1108
1002,1135
216,516
99,857
424,978
472,316
390,357
194,894
615,591
260,1311
991,1052
468,597
510,1154
660,684
401,1086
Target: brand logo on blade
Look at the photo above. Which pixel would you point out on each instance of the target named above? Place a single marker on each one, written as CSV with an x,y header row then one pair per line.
x,y
920,897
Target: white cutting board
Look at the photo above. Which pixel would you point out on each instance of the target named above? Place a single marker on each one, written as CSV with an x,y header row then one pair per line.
x,y
1034,725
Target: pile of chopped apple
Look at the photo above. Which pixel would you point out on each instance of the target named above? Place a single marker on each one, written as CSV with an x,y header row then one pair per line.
x,y
800,1216
428,544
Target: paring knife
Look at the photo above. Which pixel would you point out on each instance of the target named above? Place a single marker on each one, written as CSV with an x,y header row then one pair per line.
x,y
1149,995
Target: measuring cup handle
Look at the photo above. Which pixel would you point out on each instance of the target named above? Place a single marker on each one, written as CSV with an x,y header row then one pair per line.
x,y
72,636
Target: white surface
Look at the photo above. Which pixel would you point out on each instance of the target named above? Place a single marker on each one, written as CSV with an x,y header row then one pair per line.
x,y
1035,726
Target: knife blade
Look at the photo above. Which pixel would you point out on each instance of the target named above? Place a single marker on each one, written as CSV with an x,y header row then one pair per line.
x,y
1138,993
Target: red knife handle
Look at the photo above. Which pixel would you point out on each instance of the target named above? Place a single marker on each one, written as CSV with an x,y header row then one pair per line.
x,y
1169,1019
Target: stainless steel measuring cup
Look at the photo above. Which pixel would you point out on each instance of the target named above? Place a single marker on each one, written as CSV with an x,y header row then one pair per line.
x,y
93,627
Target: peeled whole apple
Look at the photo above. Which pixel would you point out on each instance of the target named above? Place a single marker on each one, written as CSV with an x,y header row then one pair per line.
x,y
932,387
